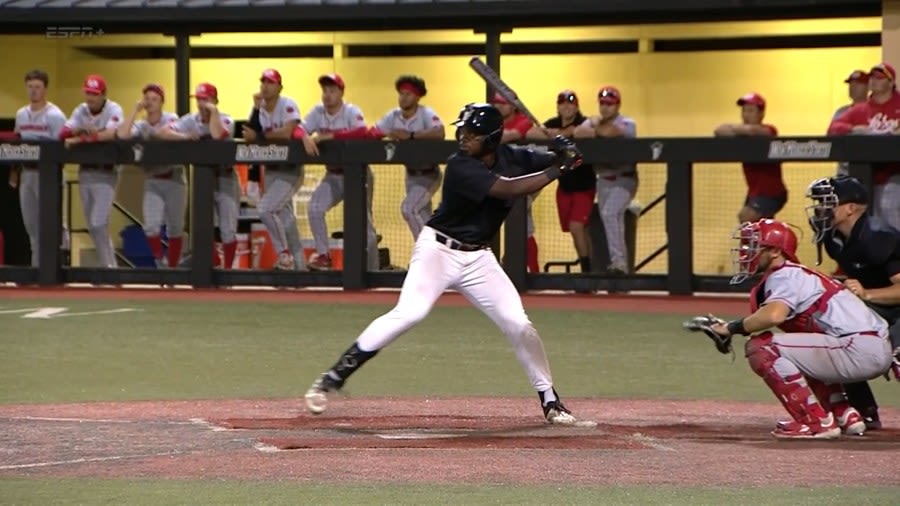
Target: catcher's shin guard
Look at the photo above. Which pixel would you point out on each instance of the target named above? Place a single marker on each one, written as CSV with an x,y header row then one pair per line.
x,y
792,390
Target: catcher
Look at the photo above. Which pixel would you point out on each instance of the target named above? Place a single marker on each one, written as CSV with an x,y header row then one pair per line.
x,y
829,336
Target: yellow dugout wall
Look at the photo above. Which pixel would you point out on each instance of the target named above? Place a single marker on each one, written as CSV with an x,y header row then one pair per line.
x,y
668,94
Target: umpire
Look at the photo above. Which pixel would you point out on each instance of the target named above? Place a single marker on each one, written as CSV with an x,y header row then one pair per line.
x,y
868,251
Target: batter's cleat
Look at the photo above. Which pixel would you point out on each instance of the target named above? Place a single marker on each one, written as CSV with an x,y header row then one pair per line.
x,y
826,429
285,262
851,422
317,395
557,414
321,263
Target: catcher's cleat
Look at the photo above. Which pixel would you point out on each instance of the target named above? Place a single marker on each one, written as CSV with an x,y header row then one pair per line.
x,y
851,422
317,395
826,429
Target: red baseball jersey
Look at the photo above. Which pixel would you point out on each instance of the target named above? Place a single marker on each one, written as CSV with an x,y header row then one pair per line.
x,y
518,122
881,119
764,179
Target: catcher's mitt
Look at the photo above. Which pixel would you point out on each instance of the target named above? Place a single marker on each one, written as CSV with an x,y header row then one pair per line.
x,y
704,324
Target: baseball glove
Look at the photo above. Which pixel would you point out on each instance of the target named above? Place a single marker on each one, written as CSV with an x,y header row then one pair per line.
x,y
704,324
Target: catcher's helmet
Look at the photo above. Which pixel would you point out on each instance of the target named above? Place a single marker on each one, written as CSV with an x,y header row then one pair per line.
x,y
752,238
481,119
827,193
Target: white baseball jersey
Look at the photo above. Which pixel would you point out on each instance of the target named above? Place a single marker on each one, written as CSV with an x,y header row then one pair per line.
x,y
286,110
349,117
845,314
629,128
424,119
109,117
46,123
193,124
145,130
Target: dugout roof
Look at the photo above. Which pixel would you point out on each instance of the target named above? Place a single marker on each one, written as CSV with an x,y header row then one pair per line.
x,y
205,16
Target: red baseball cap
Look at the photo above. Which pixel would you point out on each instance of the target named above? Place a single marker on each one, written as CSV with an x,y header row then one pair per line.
x,y
609,95
155,88
333,79
567,96
885,69
94,84
271,75
206,90
752,99
857,75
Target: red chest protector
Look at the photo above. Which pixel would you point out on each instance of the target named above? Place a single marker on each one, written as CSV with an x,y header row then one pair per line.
x,y
805,321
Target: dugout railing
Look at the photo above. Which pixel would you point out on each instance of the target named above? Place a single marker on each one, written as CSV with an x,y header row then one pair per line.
x,y
678,154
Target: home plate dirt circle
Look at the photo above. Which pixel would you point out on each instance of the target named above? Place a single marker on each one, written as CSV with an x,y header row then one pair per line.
x,y
460,432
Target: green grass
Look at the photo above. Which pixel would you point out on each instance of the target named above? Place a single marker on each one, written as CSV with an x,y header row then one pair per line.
x,y
152,493
229,350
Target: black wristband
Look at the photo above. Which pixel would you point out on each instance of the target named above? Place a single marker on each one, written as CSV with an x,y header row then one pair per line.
x,y
737,327
552,172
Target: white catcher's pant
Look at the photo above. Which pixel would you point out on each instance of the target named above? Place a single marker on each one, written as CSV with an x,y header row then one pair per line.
x,y
477,275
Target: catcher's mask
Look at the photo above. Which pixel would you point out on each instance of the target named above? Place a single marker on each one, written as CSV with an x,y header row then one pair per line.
x,y
827,194
482,120
753,238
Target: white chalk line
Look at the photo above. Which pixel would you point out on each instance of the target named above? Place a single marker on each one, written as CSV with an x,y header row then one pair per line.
x,y
84,460
652,442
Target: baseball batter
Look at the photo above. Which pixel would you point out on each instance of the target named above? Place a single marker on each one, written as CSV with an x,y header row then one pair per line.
x,y
482,181
616,184
275,117
766,192
96,120
830,336
412,120
335,119
165,187
209,123
39,120
879,115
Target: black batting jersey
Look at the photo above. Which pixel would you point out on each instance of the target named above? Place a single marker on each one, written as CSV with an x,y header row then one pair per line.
x,y
871,254
467,213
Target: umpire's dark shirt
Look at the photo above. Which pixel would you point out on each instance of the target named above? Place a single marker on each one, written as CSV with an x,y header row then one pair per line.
x,y
871,254
466,212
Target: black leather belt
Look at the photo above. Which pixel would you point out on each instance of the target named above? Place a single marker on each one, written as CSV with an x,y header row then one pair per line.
x,y
454,244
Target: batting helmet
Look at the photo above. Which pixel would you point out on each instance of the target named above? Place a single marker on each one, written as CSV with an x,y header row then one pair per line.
x,y
753,238
827,193
481,119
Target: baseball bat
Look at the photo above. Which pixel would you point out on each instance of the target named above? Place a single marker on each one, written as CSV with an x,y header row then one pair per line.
x,y
503,89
